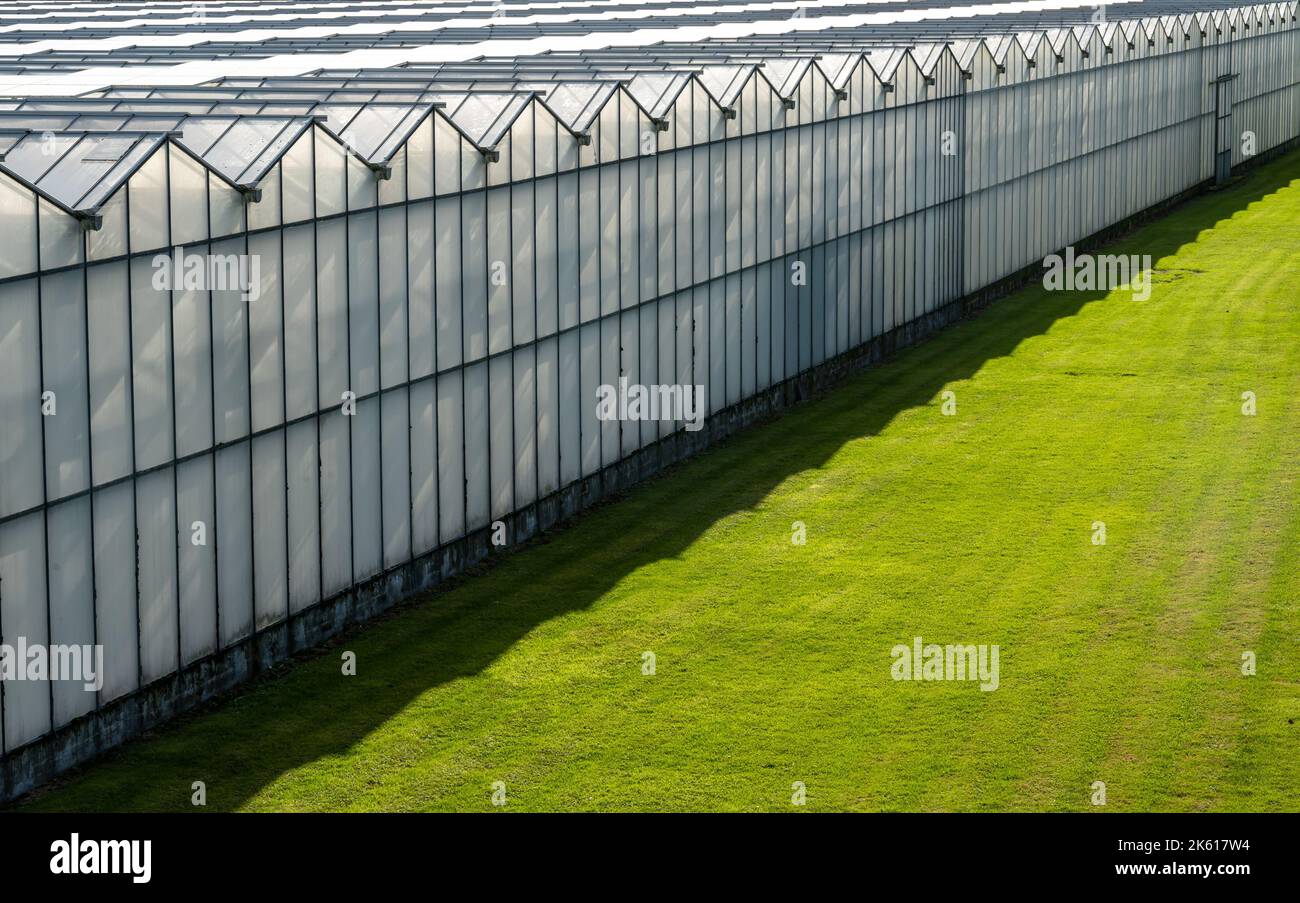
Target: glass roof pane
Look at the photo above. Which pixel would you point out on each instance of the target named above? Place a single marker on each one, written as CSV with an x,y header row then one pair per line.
x,y
83,168
242,143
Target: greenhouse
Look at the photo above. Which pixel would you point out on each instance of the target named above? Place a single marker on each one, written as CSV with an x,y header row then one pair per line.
x,y
306,307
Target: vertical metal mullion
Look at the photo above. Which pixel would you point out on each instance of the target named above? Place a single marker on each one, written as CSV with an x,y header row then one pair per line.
x,y
212,398
347,312
578,326
798,224
316,399
487,335
559,387
758,264
510,300
658,308
691,188
464,365
135,512
433,326
771,257
537,340
406,312
284,407
600,303
90,450
379,382
677,298
45,469
252,492
618,253
510,285
176,495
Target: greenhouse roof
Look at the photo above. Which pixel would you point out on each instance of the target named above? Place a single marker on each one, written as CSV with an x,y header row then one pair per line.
x,y
89,90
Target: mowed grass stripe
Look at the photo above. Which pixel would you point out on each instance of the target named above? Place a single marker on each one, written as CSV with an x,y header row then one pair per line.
x,y
1119,663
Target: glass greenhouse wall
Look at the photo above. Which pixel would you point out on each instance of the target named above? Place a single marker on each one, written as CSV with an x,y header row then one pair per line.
x,y
414,279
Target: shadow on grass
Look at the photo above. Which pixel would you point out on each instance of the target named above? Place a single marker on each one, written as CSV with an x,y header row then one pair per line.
x,y
242,745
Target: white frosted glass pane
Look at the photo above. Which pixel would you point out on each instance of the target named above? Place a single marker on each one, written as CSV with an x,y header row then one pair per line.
x,y
525,428
198,572
109,328
270,564
63,337
393,311
265,212
192,368
447,156
18,222
363,188
521,145
570,418
477,416
72,612
230,354
568,251
109,240
152,362
424,475
501,448
296,178
21,475
544,143
331,314
367,525
304,515
451,456
266,331
22,610
226,208
149,205
522,320
499,269
420,288
115,599
419,156
188,198
447,269
299,285
548,399
473,249
234,543
396,467
546,261
589,378
61,238
393,189
335,501
156,508
363,303
331,184
607,372
624,359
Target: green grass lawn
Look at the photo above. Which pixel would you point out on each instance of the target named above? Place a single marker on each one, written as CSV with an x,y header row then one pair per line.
x,y
1119,663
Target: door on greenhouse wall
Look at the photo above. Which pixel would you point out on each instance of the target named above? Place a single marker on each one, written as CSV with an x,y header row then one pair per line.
x,y
1223,128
